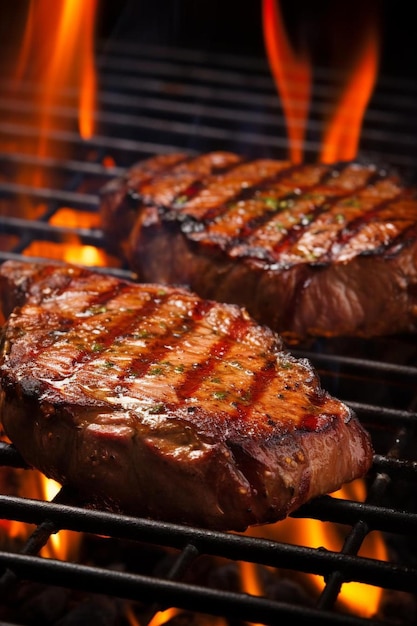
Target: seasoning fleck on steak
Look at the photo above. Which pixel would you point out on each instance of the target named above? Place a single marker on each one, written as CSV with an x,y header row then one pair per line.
x,y
152,401
310,250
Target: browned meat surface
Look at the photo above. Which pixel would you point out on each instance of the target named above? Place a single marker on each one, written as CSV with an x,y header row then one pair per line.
x,y
152,401
310,250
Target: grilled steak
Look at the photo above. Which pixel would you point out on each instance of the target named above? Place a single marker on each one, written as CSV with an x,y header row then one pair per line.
x,y
310,250
152,401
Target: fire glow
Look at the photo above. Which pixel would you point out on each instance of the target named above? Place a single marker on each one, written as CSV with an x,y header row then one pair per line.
x,y
58,42
56,58
293,75
67,56
356,598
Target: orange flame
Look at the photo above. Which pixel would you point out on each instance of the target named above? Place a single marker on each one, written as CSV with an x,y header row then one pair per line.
x,y
71,249
293,78
32,484
88,76
65,544
56,55
341,138
358,598
58,45
292,75
162,617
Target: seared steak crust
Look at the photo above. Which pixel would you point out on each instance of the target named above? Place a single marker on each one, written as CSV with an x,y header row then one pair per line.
x,y
152,401
309,249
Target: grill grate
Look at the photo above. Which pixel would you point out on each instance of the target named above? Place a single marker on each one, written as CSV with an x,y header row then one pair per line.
x,y
154,100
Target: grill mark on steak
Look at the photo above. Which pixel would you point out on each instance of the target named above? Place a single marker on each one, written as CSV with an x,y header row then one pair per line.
x,y
146,171
257,211
296,221
76,345
406,238
227,225
325,231
167,188
261,381
207,365
167,341
361,230
186,194
246,192
124,320
191,192
220,189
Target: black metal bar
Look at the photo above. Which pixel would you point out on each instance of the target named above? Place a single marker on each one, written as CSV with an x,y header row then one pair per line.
x,y
231,546
74,198
383,414
403,468
10,457
335,581
191,597
380,518
123,273
44,231
372,365
109,143
180,566
78,167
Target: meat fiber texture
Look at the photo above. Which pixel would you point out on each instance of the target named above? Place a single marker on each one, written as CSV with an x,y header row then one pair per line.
x,y
151,401
310,250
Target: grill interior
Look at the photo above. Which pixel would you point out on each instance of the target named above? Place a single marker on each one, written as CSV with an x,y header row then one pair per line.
x,y
154,99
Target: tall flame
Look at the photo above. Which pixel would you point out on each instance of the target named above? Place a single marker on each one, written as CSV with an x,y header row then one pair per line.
x,y
58,51
343,128
55,55
292,74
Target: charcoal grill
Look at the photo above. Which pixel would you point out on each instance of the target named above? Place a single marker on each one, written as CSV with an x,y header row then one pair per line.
x,y
155,99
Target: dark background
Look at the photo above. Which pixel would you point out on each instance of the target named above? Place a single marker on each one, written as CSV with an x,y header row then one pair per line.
x,y
235,27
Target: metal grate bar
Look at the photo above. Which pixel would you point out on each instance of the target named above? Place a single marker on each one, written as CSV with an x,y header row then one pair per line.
x,y
76,199
191,597
369,364
108,143
230,546
76,167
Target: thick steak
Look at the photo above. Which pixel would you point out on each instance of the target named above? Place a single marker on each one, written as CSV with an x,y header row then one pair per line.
x,y
323,250
152,401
